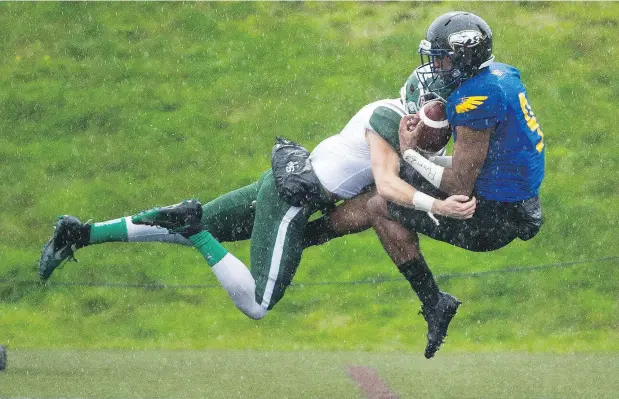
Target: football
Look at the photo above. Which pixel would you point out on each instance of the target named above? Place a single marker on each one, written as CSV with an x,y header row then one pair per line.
x,y
434,130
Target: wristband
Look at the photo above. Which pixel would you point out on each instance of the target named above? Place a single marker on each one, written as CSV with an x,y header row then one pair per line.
x,y
430,171
422,201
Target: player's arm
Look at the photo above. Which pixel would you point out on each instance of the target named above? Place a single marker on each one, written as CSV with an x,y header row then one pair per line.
x,y
386,170
384,140
389,185
469,155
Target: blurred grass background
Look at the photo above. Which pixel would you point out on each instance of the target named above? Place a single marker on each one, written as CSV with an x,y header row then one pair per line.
x,y
111,108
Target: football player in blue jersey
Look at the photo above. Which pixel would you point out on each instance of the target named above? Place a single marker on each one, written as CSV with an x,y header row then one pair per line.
x,y
498,158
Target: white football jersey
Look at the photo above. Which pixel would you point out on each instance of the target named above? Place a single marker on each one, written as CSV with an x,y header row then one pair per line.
x,y
342,162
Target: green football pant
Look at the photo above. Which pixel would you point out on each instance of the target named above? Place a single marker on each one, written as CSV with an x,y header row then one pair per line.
x,y
275,228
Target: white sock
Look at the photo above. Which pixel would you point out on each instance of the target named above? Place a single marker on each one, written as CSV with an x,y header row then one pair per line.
x,y
143,233
238,282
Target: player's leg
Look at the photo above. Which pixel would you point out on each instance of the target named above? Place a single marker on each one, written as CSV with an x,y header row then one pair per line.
x,y
276,243
187,219
275,253
402,245
70,234
348,218
229,217
493,225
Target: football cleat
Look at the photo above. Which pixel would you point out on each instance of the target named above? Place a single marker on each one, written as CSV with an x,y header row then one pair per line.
x,y
69,235
438,318
182,218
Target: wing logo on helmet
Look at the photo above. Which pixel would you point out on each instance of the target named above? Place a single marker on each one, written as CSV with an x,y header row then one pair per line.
x,y
470,103
465,38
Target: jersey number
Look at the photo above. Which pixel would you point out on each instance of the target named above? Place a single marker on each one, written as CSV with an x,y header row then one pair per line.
x,y
529,116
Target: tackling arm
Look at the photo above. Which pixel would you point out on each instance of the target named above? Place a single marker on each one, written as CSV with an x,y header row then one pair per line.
x,y
389,185
469,155
386,169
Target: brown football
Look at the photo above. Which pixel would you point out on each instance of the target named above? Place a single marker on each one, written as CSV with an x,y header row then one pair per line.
x,y
434,130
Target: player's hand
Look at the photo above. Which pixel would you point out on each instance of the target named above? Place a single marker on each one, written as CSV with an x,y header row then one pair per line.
x,y
457,207
408,136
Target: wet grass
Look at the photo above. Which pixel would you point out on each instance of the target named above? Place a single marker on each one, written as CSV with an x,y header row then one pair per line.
x,y
259,374
111,108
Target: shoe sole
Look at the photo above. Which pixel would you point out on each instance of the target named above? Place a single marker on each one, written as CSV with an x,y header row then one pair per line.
x,y
153,217
50,259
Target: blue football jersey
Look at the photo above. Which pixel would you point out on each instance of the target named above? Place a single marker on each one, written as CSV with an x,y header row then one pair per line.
x,y
496,97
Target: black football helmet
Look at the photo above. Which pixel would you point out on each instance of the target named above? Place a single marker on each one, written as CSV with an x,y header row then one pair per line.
x,y
457,45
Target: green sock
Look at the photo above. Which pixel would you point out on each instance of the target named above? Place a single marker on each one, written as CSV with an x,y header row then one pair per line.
x,y
112,230
209,247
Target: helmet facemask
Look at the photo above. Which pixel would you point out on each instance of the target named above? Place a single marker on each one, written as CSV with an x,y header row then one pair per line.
x,y
416,91
440,68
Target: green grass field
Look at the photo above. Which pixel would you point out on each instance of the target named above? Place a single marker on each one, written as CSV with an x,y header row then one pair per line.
x,y
111,108
299,375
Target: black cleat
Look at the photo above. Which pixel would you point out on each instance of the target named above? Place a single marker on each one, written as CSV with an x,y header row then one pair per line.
x,y
69,235
182,218
438,318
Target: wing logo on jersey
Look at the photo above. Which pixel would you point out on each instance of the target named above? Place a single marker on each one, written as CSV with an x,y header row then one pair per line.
x,y
470,103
